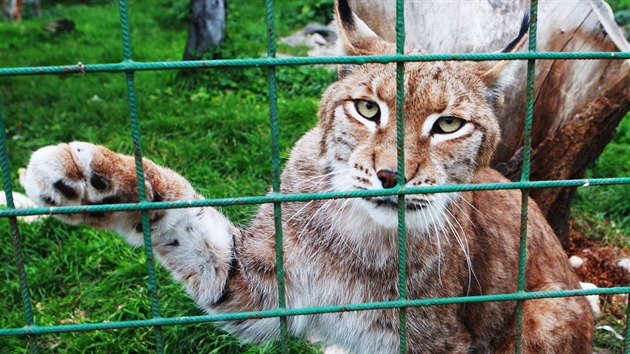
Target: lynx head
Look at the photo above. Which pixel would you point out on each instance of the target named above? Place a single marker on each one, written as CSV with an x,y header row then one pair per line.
x,y
451,130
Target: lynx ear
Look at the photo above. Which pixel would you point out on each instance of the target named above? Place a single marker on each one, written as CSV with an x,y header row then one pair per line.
x,y
500,74
355,37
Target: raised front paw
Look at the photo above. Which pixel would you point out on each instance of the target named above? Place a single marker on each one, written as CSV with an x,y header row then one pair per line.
x,y
86,174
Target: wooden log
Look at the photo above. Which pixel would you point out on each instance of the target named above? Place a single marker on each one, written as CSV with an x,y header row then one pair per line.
x,y
578,103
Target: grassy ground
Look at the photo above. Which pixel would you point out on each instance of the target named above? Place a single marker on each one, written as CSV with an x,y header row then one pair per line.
x,y
78,275
212,127
604,213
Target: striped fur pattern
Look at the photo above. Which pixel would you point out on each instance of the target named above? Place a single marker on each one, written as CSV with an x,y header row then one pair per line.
x,y
345,251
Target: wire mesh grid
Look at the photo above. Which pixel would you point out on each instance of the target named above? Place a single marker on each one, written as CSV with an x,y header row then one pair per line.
x,y
129,67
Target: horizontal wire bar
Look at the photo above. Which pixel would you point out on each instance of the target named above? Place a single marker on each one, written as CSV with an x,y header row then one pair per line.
x,y
129,65
277,197
309,311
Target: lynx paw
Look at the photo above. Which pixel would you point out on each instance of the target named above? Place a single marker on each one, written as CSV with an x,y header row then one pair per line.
x,y
85,174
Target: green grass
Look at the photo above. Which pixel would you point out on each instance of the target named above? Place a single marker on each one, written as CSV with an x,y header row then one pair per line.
x,y
603,213
79,275
211,126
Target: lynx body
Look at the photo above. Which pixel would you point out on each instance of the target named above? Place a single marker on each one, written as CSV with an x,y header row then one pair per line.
x,y
345,251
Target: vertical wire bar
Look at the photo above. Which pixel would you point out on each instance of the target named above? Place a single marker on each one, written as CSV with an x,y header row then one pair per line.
x,y
276,171
137,148
627,342
15,235
529,106
400,177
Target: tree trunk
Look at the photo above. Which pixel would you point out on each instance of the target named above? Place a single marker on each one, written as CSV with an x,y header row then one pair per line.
x,y
568,153
578,103
207,26
12,9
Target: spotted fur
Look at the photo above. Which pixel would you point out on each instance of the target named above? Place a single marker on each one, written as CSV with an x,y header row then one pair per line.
x,y
345,251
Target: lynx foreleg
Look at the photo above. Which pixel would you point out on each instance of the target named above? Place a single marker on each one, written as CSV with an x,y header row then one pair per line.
x,y
194,244
199,252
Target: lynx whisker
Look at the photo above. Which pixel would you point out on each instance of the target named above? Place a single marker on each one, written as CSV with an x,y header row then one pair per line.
x,y
329,174
465,201
343,240
438,240
462,240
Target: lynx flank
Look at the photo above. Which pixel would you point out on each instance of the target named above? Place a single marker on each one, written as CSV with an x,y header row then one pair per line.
x,y
345,251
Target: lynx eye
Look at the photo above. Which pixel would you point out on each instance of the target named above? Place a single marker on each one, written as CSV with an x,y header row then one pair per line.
x,y
447,125
368,109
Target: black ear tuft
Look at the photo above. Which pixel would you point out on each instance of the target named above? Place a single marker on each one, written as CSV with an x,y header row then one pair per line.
x,y
345,13
355,37
522,32
345,70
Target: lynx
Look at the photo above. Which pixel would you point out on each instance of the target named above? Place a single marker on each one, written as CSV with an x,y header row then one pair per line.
x,y
345,251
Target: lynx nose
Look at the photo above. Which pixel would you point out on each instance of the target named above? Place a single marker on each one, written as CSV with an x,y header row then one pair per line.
x,y
387,178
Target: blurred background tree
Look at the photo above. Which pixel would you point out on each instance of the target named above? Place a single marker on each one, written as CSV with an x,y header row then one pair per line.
x,y
206,27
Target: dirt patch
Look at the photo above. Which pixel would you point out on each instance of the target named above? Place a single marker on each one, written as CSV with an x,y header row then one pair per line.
x,y
601,268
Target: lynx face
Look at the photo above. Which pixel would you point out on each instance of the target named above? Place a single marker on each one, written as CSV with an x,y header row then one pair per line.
x,y
450,127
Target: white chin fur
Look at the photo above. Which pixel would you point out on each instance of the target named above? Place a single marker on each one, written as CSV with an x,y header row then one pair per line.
x,y
418,220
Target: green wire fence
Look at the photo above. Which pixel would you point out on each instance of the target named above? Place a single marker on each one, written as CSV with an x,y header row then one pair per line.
x,y
129,67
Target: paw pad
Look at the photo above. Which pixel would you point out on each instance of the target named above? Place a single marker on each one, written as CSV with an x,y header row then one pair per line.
x,y
66,190
99,182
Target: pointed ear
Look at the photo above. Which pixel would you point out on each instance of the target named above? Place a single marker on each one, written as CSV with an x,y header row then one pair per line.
x,y
355,37
498,75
